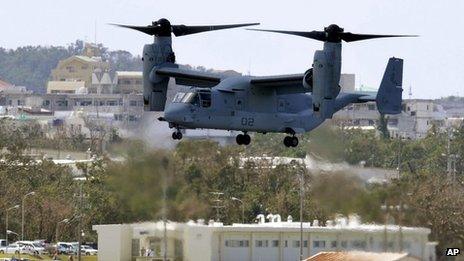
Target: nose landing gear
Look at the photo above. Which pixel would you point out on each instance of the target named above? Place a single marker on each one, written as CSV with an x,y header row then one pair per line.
x,y
243,139
290,141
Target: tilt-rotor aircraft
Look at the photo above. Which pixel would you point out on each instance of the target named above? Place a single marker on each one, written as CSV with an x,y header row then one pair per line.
x,y
290,104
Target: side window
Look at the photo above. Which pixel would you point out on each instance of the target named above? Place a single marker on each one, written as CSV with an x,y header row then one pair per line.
x,y
205,99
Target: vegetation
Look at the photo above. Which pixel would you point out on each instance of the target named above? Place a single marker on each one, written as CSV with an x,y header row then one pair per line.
x,y
133,190
31,66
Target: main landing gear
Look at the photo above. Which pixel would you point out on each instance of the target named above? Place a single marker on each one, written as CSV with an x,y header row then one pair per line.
x,y
290,141
177,135
243,139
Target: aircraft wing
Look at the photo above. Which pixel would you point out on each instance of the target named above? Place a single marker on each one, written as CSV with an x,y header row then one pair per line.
x,y
367,96
292,83
190,77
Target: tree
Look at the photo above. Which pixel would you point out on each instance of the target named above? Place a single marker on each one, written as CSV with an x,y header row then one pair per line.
x,y
383,126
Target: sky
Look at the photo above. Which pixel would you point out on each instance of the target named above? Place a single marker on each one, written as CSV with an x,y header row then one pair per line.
x,y
433,62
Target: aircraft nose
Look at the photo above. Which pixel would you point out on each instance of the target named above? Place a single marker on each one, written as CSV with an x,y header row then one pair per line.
x,y
175,112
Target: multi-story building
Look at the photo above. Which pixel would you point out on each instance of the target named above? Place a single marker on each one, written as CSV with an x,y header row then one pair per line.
x,y
274,240
128,82
75,72
415,120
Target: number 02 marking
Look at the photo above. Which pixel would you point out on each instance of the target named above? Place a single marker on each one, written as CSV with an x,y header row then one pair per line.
x,y
248,121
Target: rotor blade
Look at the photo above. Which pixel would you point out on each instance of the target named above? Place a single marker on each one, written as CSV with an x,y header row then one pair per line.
x,y
350,37
316,35
180,30
151,30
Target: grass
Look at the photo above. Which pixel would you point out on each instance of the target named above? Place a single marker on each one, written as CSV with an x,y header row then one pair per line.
x,y
45,257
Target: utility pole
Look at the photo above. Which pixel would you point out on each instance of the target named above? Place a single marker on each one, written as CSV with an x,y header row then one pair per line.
x,y
6,225
165,230
384,207
22,212
79,224
301,212
218,204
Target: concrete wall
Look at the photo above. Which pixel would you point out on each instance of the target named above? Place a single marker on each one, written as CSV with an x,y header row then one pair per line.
x,y
114,242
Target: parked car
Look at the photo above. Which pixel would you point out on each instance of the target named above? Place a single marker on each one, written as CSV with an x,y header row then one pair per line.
x,y
69,248
88,250
14,248
31,247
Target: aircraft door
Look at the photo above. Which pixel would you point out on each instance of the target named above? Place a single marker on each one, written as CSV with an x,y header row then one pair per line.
x,y
239,100
281,105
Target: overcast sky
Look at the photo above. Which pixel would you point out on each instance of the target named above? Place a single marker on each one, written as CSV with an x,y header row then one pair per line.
x,y
434,63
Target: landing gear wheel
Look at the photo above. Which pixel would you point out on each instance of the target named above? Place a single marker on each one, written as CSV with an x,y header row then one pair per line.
x,y
290,141
177,135
246,139
239,139
243,139
294,141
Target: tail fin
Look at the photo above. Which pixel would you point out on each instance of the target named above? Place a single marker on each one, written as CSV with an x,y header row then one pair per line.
x,y
389,96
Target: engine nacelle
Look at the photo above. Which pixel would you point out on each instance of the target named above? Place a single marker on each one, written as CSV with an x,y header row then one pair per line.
x,y
155,88
308,80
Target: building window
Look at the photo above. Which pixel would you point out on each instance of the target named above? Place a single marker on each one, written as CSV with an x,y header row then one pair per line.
x,y
275,243
358,244
305,243
237,243
319,244
286,243
136,248
46,103
343,244
413,113
296,243
85,103
371,107
132,118
138,82
118,117
333,244
111,103
132,103
261,243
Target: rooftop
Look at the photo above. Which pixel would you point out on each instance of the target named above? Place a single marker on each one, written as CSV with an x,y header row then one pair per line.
x,y
340,224
129,74
360,256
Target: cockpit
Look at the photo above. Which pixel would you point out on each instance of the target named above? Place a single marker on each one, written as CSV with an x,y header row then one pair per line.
x,y
197,98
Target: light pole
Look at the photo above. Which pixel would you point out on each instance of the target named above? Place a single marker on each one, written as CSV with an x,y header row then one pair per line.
x,y
6,225
22,212
66,221
301,212
243,208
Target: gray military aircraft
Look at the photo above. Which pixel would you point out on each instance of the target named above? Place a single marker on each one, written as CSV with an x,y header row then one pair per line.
x,y
288,104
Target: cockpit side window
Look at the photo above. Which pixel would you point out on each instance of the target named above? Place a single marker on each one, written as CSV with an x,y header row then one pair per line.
x,y
205,99
192,98
179,96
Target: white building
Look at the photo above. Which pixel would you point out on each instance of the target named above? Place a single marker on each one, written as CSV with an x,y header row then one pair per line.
x,y
414,121
260,241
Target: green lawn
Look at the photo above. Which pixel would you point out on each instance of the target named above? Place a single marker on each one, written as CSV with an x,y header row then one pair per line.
x,y
62,257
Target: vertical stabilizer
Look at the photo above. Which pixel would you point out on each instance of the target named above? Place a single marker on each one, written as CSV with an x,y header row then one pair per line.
x,y
389,96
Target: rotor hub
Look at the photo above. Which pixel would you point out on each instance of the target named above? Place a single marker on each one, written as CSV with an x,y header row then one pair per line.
x,y
333,33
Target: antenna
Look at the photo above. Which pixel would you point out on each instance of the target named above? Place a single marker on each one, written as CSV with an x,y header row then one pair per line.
x,y
217,201
95,32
